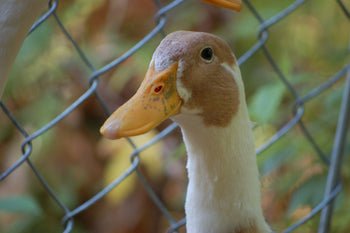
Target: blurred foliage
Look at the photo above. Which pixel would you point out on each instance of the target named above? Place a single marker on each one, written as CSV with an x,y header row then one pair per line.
x,y
120,161
310,45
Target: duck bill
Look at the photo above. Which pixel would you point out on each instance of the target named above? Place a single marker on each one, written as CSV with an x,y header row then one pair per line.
x,y
156,100
230,4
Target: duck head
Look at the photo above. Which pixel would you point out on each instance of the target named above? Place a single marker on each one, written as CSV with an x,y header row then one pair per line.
x,y
192,76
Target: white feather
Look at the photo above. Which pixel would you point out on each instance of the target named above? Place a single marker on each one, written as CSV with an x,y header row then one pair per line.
x,y
224,189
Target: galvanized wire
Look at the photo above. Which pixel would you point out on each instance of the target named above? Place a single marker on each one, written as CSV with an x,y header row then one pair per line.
x,y
334,184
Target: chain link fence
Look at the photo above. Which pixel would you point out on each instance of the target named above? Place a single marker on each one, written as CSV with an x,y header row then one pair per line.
x,y
333,161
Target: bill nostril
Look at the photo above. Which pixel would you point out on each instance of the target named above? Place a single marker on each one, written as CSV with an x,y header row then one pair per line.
x,y
158,89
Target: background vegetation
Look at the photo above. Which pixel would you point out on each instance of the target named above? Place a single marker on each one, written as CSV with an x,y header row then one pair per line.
x,y
310,45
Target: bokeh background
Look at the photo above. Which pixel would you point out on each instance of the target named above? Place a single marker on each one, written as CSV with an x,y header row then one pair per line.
x,y
310,46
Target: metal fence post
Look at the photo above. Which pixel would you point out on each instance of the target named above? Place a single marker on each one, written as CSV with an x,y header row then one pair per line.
x,y
337,154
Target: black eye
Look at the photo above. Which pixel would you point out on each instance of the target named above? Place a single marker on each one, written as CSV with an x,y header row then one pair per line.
x,y
207,54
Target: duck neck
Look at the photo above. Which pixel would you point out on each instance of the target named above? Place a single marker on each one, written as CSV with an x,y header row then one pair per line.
x,y
223,193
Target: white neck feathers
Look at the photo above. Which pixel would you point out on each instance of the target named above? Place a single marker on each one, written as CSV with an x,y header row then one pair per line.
x,y
223,193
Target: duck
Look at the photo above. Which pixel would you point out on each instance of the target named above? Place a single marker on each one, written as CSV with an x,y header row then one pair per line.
x,y
229,4
194,79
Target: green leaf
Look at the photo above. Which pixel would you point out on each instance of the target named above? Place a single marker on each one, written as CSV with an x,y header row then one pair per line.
x,y
20,204
277,156
20,225
263,105
310,193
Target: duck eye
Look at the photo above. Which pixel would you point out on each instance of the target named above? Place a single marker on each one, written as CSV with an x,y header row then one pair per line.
x,y
207,54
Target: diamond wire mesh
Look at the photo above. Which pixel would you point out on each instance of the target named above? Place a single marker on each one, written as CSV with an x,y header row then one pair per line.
x,y
334,184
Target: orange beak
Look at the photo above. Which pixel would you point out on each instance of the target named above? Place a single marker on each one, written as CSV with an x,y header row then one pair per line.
x,y
156,100
230,4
